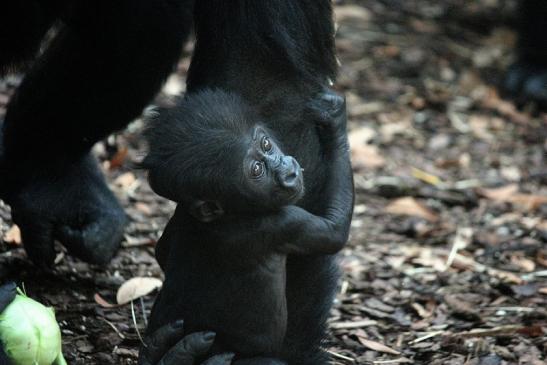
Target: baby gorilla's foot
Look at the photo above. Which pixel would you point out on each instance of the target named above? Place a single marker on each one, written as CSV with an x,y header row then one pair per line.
x,y
527,82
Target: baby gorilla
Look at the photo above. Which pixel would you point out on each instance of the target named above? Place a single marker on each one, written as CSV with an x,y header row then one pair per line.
x,y
224,251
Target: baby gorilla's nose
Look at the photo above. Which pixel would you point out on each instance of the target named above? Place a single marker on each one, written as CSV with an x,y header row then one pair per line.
x,y
289,173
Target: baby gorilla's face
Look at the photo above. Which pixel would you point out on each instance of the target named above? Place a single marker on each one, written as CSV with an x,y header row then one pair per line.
x,y
274,179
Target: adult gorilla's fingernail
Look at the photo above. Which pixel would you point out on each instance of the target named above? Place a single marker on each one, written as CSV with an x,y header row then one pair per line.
x,y
178,324
209,336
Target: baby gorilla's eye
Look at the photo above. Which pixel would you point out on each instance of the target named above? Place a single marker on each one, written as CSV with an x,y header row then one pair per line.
x,y
266,144
257,169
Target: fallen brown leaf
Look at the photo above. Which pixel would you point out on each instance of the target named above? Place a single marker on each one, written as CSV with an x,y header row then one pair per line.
x,y
137,287
411,207
13,235
125,180
377,346
510,194
366,156
501,194
118,159
103,302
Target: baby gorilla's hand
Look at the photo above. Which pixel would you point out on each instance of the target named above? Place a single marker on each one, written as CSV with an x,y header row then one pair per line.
x,y
328,109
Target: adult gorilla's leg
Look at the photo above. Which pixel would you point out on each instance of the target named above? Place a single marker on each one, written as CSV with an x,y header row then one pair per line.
x,y
527,78
311,286
105,64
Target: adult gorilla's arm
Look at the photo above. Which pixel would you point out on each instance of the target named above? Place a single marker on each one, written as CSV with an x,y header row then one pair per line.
x,y
107,61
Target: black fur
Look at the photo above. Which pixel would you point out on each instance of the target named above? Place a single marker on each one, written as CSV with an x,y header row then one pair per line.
x,y
229,275
278,84
106,62
526,80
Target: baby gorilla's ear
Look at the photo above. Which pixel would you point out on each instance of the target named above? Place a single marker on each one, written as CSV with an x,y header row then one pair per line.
x,y
206,211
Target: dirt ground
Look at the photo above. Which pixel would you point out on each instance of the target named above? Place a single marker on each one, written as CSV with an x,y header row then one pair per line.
x,y
447,261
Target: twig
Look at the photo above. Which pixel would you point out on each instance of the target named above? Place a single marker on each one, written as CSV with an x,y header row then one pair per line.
x,y
423,338
135,323
486,332
143,312
340,356
113,327
394,361
358,324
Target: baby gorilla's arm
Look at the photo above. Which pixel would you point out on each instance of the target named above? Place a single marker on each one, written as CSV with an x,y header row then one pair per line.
x,y
326,233
294,230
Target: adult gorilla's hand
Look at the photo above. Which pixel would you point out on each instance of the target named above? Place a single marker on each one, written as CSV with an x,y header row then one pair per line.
x,y
70,203
169,346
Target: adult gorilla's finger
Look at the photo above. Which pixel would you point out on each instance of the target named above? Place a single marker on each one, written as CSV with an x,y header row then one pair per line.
x,y
95,241
188,349
37,237
7,294
161,341
223,359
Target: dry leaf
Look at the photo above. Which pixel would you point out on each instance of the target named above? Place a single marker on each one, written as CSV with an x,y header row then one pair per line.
x,y
102,302
13,235
125,180
412,207
426,177
343,12
528,202
118,159
362,135
525,264
377,346
366,156
509,194
501,194
135,288
143,208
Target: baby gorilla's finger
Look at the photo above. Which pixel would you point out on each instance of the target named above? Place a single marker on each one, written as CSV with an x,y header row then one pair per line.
x,y
223,359
161,341
7,294
187,350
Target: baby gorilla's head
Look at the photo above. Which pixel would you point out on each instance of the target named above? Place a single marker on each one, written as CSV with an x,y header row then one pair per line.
x,y
211,153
